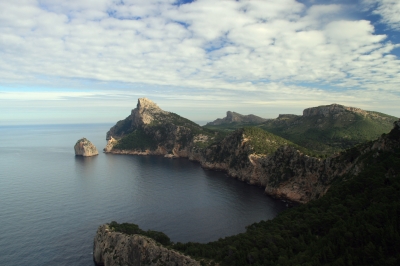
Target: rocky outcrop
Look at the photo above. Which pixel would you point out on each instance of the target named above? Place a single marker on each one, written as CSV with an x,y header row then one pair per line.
x,y
233,117
110,144
114,248
84,147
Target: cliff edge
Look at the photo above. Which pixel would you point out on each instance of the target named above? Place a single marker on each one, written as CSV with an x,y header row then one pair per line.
x,y
112,248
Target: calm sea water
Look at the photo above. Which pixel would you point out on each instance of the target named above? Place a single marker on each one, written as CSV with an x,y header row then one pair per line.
x,y
52,202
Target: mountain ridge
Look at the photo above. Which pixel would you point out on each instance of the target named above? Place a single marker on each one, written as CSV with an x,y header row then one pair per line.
x,y
233,117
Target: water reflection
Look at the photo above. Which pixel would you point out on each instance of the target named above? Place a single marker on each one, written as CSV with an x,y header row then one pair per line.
x,y
85,166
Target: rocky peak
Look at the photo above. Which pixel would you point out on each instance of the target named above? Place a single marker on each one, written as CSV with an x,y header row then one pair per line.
x,y
145,111
330,110
232,116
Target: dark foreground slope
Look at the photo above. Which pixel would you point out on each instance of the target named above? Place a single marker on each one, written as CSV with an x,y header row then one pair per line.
x,y
357,222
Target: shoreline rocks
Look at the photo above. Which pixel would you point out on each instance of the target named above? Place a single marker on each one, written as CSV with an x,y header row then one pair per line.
x,y
112,248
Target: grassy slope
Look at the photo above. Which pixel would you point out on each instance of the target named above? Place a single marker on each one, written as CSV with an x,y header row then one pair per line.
x,y
329,134
326,135
139,139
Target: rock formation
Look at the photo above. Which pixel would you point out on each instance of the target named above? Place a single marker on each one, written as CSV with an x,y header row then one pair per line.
x,y
114,248
110,144
233,117
145,112
84,147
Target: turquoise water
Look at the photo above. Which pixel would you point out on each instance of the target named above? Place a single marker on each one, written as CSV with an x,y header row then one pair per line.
x,y
52,202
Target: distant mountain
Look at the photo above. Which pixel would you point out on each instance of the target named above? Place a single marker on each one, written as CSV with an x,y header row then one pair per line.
x,y
330,128
233,117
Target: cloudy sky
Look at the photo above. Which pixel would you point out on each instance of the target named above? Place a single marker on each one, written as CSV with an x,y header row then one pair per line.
x,y
85,61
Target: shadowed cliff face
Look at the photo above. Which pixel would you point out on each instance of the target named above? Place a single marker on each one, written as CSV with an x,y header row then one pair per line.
x,y
250,154
113,248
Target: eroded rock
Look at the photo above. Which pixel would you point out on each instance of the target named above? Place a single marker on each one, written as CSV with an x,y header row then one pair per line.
x,y
114,248
84,147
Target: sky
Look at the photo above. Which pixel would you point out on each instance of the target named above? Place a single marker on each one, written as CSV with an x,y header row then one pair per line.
x,y
88,61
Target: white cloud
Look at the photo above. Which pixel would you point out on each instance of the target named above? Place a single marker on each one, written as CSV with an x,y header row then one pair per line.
x,y
239,46
389,10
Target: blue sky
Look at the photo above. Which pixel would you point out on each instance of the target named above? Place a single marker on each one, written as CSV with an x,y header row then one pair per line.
x,y
85,61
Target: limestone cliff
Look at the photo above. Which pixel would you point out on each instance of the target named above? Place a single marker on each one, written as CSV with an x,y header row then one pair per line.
x,y
145,112
233,117
114,248
84,147
152,131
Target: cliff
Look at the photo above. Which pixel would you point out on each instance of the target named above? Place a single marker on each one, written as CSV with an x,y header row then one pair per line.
x,y
111,248
233,117
84,147
152,131
250,154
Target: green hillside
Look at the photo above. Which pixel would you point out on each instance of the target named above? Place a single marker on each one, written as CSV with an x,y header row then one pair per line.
x,y
330,134
324,132
356,223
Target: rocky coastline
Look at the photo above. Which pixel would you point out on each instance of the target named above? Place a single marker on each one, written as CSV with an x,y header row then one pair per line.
x,y
286,173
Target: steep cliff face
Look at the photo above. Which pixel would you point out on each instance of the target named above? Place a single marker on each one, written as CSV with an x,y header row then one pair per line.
x,y
114,248
145,112
233,117
84,147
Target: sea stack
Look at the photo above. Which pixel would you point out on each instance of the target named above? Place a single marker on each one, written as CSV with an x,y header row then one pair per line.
x,y
84,147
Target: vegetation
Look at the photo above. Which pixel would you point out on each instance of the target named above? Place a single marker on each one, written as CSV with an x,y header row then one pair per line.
x,y
123,127
132,229
330,134
264,142
230,126
322,136
356,223
137,140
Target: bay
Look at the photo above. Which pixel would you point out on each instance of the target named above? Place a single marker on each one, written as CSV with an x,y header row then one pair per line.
x,y
52,202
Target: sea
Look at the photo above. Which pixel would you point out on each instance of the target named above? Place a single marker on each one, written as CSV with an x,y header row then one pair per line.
x,y
52,202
